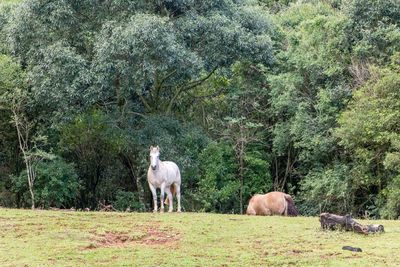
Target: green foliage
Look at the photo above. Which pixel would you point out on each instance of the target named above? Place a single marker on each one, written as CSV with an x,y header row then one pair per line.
x,y
308,91
92,143
390,200
257,177
326,190
179,142
56,185
276,5
373,28
58,77
127,201
218,185
11,75
136,51
369,132
303,101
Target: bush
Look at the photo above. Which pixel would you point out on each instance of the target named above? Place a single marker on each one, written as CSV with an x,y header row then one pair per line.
x,y
56,185
326,190
390,199
125,200
7,199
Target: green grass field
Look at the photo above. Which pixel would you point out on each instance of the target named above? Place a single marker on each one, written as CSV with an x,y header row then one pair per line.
x,y
49,238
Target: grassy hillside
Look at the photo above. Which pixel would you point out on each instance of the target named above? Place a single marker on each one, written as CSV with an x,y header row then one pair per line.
x,y
40,238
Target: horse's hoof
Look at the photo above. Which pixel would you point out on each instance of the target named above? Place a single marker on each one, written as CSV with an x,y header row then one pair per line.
x,y
154,211
161,211
179,211
169,210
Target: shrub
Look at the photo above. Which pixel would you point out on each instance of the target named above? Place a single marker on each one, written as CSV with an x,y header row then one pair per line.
x,y
125,200
56,185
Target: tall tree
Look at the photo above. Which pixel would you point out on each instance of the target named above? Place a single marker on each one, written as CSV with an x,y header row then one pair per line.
x,y
370,134
16,99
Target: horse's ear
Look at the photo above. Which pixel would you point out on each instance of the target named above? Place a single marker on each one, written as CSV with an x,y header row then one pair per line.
x,y
158,148
151,147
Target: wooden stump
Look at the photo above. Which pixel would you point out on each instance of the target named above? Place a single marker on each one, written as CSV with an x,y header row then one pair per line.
x,y
333,222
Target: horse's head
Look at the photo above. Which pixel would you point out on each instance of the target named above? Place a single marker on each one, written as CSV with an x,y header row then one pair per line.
x,y
154,156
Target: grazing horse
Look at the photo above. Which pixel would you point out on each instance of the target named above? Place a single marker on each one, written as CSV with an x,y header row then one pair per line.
x,y
166,176
273,203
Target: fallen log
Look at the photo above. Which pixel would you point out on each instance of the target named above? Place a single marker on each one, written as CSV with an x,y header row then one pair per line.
x,y
354,249
104,207
332,222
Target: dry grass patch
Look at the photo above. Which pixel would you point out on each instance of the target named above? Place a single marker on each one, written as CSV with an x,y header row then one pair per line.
x,y
151,235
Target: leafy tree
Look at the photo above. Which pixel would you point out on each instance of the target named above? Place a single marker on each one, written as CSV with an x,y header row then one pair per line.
x,y
369,133
308,91
326,190
218,185
373,28
15,99
241,133
301,101
91,143
141,52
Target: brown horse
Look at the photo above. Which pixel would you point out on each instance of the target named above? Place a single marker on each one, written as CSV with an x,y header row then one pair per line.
x,y
273,203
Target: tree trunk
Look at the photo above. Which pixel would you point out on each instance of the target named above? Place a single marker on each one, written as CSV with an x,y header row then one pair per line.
x,y
23,145
240,154
31,179
241,185
32,197
333,222
135,178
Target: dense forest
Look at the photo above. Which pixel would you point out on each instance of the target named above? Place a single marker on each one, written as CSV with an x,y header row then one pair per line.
x,y
245,96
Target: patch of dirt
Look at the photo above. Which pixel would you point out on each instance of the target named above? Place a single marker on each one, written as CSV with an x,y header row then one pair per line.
x,y
301,250
352,257
152,236
330,255
109,239
159,237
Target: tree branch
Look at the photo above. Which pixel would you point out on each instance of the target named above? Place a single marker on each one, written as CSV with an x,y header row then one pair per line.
x,y
189,86
145,103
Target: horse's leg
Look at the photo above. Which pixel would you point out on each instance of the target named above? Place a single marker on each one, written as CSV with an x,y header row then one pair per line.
x,y
154,193
169,195
178,195
162,197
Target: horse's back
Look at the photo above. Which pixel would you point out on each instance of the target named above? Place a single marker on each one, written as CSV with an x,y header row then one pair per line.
x,y
172,170
276,202
272,203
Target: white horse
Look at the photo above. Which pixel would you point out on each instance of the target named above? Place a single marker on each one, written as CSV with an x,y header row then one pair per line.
x,y
166,176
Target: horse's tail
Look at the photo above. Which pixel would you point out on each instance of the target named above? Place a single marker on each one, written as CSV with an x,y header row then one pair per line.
x,y
291,209
285,206
173,192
